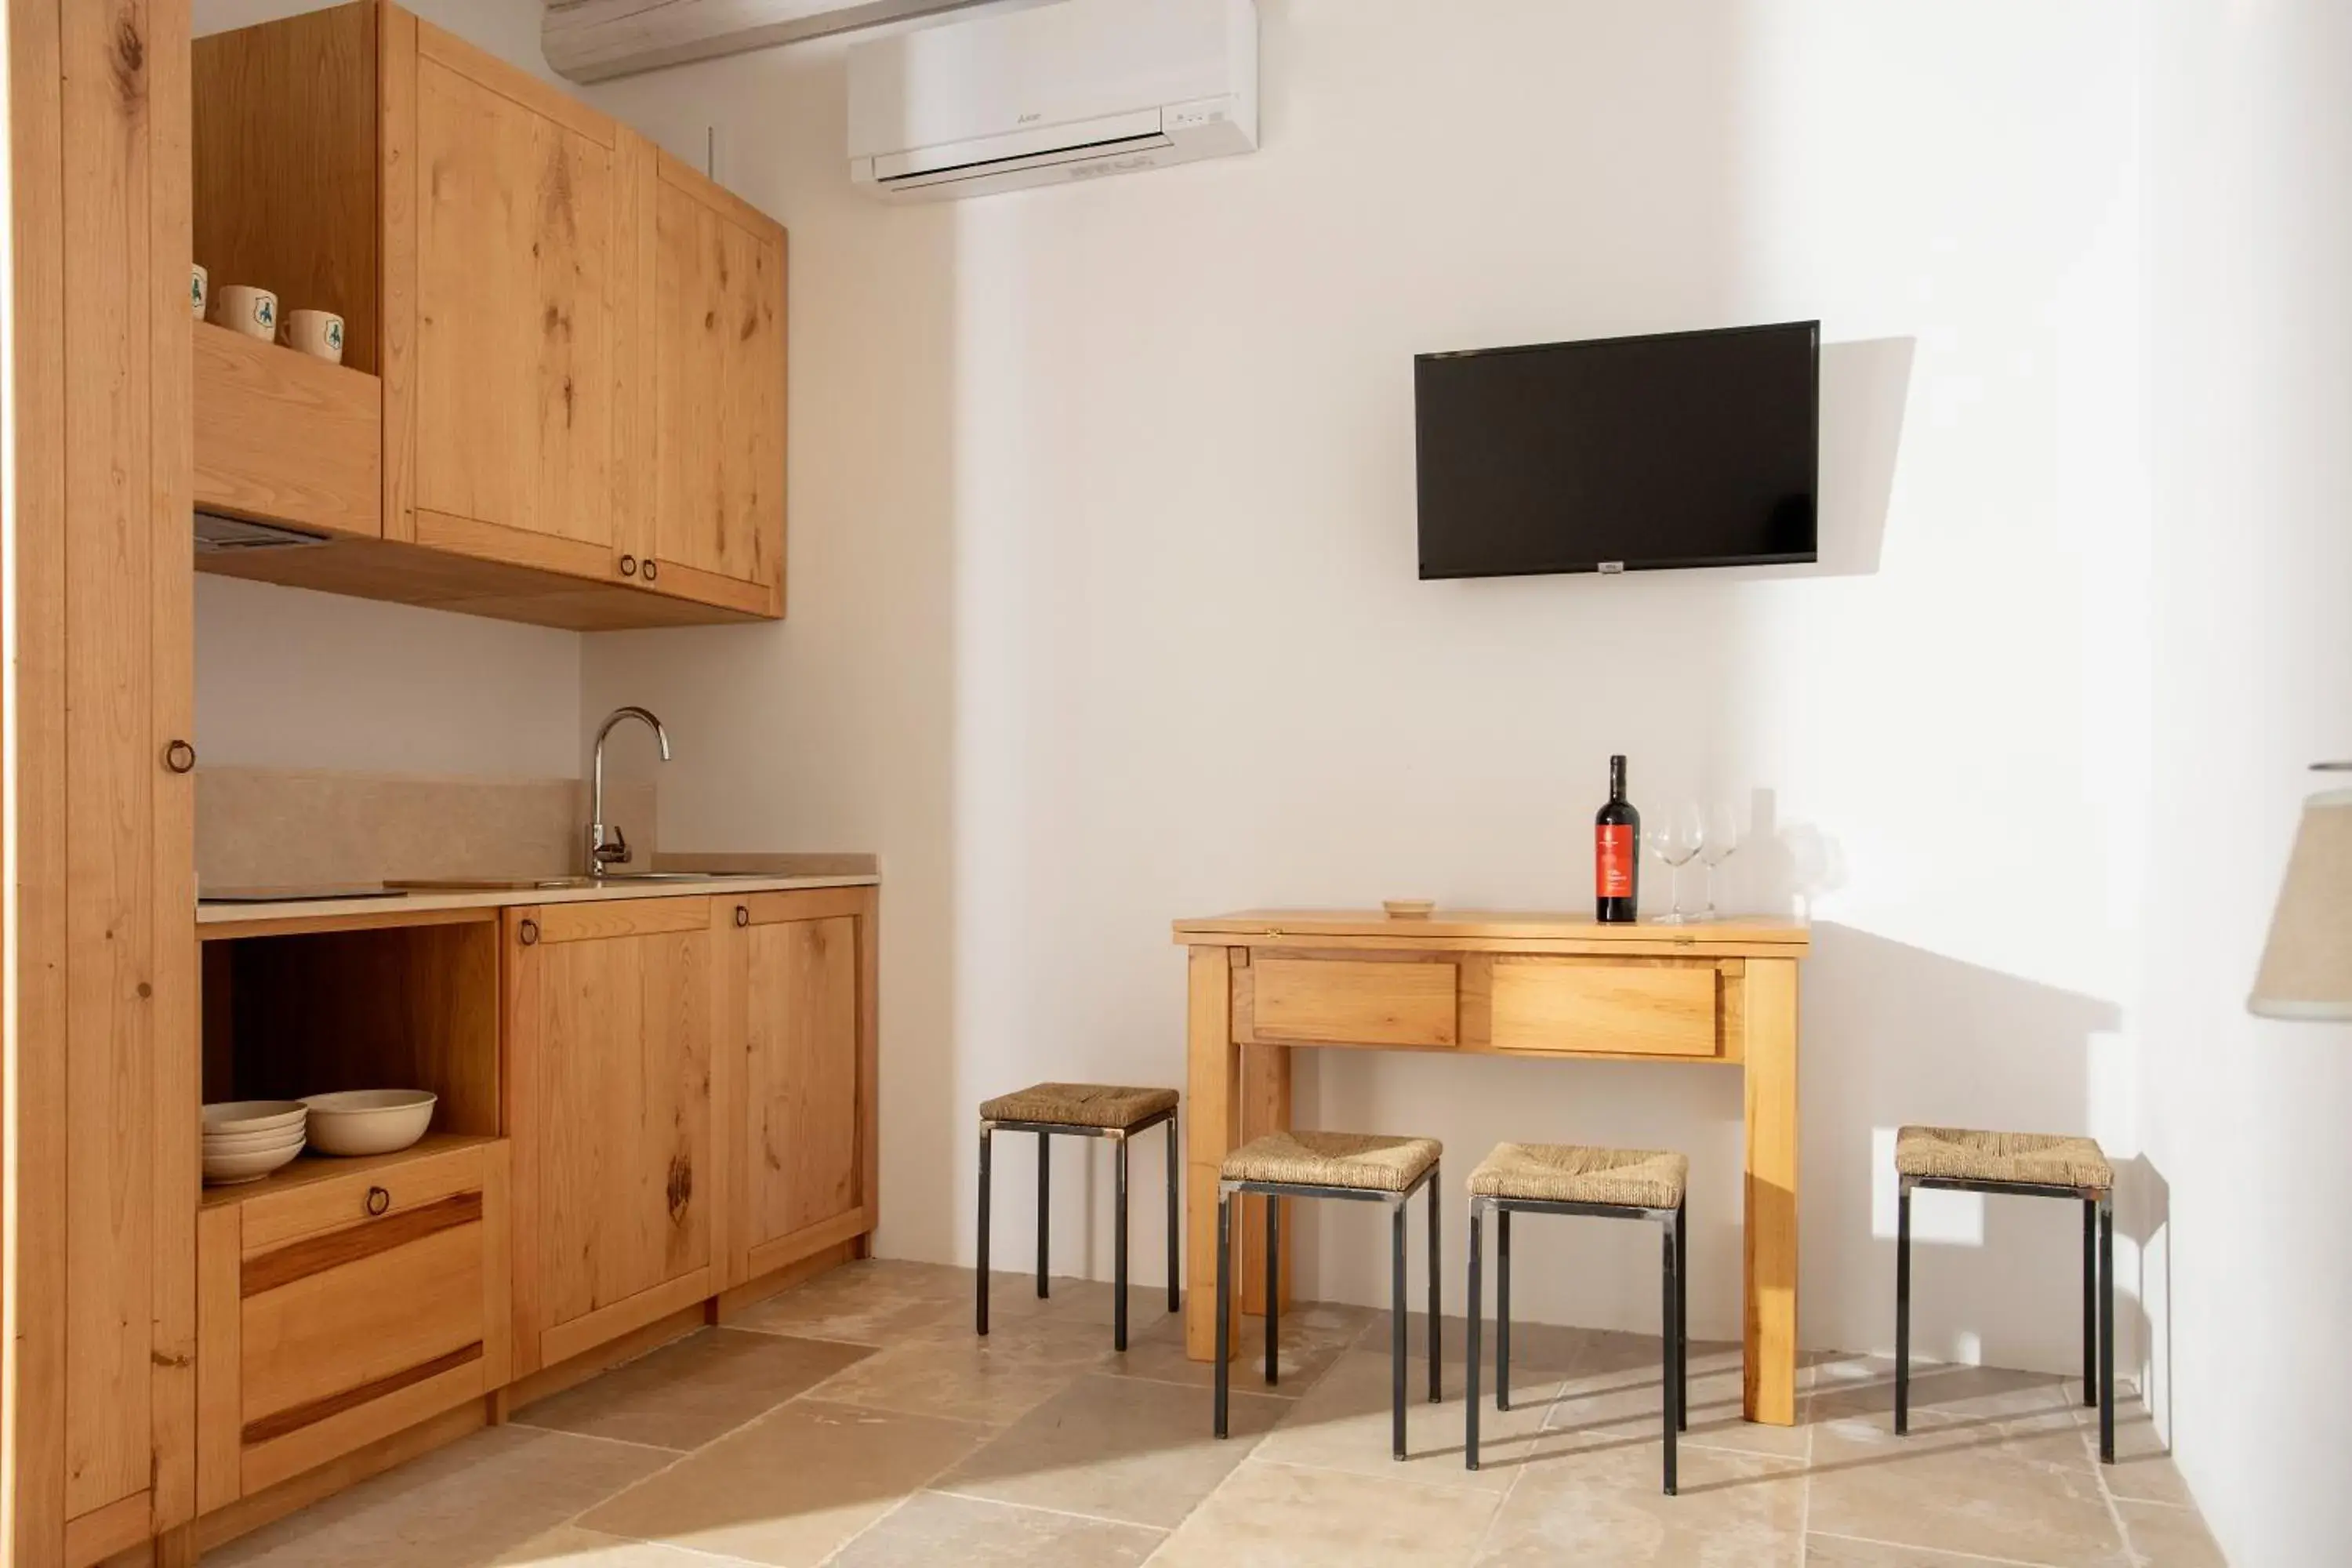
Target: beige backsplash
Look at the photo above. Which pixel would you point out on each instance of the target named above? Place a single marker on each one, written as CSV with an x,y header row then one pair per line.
x,y
273,828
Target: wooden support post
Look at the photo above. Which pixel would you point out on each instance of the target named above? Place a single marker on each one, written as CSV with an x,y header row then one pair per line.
x,y
1771,1332
1212,1121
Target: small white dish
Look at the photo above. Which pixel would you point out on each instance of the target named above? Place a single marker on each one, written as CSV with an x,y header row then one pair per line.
x,y
240,1142
249,1165
247,1143
368,1120
254,1115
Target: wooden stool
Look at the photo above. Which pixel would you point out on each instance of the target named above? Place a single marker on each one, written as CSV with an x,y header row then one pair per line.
x,y
1614,1183
2017,1165
1081,1110
1359,1166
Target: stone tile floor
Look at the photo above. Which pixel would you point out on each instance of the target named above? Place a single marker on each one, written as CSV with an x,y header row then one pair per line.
x,y
856,1421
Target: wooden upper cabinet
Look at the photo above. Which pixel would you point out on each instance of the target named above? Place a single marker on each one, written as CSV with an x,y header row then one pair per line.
x,y
804,990
563,399
715,527
612,1015
512,389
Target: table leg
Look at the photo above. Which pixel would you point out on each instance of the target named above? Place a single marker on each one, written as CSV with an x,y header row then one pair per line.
x,y
1212,1128
1265,1107
1770,1283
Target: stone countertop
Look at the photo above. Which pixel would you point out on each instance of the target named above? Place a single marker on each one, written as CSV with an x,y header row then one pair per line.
x,y
729,874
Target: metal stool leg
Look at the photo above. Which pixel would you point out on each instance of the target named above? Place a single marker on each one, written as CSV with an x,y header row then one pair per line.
x,y
1224,1302
2107,1328
1118,1252
1045,1204
1436,1324
1670,1326
1903,1310
1273,1291
2089,1301
985,1140
1175,1236
1478,1312
1502,1308
1397,1312
1681,1317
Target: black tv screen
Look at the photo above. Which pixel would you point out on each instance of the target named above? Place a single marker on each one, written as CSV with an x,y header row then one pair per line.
x,y
1619,454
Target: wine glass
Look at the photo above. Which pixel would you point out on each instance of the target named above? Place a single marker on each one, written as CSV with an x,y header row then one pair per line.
x,y
1675,842
1724,834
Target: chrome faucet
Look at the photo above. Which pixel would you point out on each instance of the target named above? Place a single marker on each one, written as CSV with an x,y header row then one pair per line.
x,y
604,851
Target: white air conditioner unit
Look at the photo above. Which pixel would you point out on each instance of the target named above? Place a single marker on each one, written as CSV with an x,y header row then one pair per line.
x,y
1058,92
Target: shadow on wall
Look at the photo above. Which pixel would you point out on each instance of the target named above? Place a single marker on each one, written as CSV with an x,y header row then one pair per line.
x,y
1896,1035
1866,387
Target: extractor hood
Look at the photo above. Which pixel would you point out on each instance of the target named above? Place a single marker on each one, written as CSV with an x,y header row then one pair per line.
x,y
220,534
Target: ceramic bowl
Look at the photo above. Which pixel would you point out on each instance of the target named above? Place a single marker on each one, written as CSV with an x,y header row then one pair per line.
x,y
368,1120
237,1142
247,1165
253,1116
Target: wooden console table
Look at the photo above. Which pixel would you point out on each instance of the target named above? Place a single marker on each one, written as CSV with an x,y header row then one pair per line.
x,y
1724,992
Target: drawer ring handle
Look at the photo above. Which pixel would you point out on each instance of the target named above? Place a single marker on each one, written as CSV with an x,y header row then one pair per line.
x,y
742,916
378,1200
528,935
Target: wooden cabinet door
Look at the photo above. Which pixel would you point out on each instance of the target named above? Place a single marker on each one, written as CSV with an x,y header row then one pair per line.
x,y
804,990
612,1012
102,1094
507,253
714,527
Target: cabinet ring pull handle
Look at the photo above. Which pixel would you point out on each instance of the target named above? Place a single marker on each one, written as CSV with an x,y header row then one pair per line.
x,y
742,915
378,1200
628,565
528,935
180,757
652,569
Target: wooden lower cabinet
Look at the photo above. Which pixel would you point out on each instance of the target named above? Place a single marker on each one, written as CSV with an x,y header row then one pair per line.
x,y
804,990
612,1013
337,1310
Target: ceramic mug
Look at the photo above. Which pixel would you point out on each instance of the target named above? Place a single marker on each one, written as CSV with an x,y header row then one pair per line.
x,y
319,333
199,285
242,307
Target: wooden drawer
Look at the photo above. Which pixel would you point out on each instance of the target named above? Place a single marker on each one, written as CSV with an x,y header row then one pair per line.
x,y
1659,1007
1334,1001
323,1328
336,1201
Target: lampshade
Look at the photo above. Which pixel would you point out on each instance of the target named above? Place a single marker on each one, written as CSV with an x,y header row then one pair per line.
x,y
2308,966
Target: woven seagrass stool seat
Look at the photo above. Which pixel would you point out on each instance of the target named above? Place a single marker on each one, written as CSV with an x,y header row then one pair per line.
x,y
1362,1167
1570,1179
2017,1165
2043,1159
1081,1110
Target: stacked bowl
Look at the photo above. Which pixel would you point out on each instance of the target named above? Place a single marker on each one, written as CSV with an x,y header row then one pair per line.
x,y
245,1139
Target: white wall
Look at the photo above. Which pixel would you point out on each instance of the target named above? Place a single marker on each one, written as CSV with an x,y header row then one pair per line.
x,y
1104,608
292,679
2249,1166
289,678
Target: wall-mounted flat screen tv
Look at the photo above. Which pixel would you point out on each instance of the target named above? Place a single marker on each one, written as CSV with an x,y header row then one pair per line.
x,y
1620,454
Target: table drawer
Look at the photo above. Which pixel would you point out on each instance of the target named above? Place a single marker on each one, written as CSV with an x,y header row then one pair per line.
x,y
1654,1008
1332,1001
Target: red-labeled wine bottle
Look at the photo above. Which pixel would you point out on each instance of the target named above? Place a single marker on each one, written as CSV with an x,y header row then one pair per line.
x,y
1616,853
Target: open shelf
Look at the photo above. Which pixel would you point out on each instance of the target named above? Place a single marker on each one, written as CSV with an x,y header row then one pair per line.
x,y
281,437
402,1007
